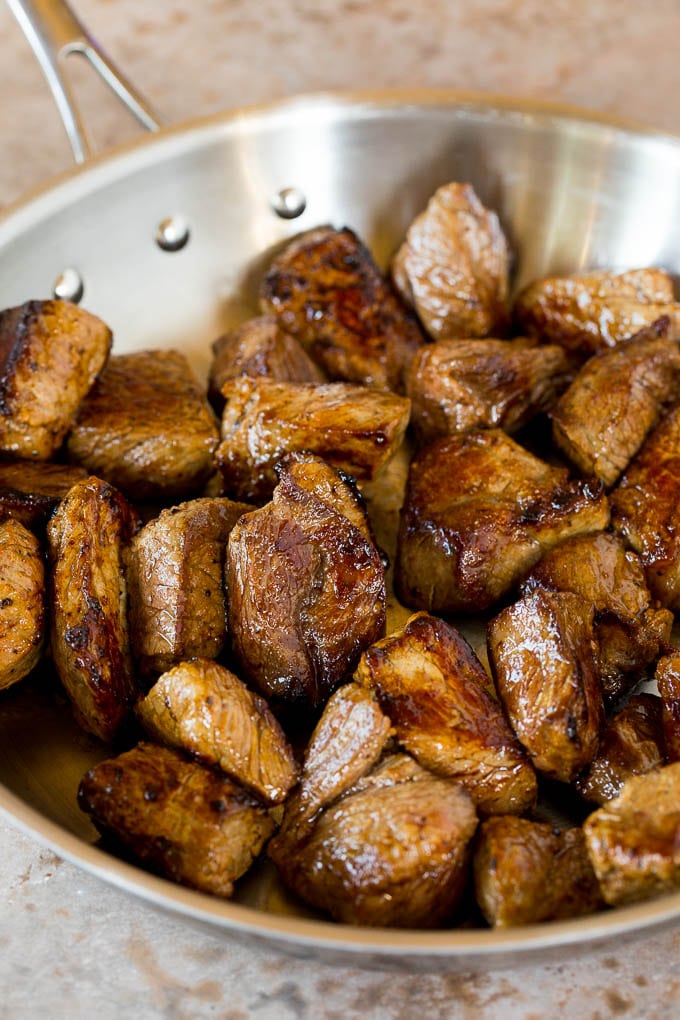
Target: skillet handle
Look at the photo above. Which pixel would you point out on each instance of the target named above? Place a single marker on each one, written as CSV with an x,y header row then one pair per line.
x,y
54,33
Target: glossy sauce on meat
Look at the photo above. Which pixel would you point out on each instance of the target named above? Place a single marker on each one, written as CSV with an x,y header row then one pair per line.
x,y
453,266
306,585
432,687
479,512
326,290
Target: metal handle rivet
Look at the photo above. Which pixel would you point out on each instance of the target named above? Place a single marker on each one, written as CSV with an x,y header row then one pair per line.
x,y
288,203
172,233
69,286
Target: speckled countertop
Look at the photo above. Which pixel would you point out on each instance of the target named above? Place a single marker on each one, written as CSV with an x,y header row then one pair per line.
x,y
71,946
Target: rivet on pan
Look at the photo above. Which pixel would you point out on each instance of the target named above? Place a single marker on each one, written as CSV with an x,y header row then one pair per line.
x,y
172,233
288,203
69,286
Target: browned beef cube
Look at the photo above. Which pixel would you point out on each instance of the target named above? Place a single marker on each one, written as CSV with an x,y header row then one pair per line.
x,y
542,655
347,742
22,602
354,428
631,745
393,850
87,538
589,312
633,840
305,585
202,708
259,347
527,871
147,427
629,628
458,385
479,511
646,509
181,819
432,687
601,421
453,266
175,574
326,290
51,352
31,491
668,681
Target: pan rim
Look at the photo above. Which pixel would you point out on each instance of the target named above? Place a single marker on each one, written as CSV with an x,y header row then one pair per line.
x,y
290,931
182,135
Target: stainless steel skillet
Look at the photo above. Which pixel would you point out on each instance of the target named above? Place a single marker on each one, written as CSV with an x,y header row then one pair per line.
x,y
573,191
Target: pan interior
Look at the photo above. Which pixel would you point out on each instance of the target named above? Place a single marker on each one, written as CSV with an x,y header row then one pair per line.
x,y
572,194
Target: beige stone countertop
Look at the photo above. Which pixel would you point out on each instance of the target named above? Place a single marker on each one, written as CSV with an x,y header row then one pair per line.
x,y
72,946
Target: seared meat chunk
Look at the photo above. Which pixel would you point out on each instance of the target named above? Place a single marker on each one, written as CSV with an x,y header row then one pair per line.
x,y
432,686
527,871
601,421
326,290
22,602
634,840
347,742
457,385
632,744
589,312
51,352
147,427
668,681
453,266
630,630
646,508
259,347
306,585
175,576
479,512
87,538
354,428
542,654
202,708
31,491
181,819
393,850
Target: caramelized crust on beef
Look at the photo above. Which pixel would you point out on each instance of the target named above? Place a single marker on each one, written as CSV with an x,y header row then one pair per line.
x,y
646,509
631,745
147,427
431,685
601,421
354,428
187,822
453,266
326,290
542,654
31,491
22,602
633,840
586,313
202,708
393,850
306,585
259,347
175,576
87,537
479,511
457,385
526,872
629,629
51,352
668,681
